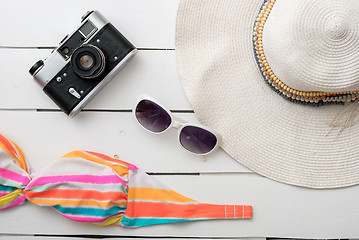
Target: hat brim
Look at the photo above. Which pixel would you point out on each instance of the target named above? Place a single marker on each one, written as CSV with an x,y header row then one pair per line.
x,y
314,147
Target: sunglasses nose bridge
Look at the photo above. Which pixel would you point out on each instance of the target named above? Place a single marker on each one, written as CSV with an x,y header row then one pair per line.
x,y
177,124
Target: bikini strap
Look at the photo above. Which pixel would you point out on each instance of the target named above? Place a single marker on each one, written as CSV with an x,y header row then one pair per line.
x,y
150,202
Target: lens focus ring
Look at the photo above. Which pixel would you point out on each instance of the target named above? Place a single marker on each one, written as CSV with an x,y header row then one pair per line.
x,y
88,61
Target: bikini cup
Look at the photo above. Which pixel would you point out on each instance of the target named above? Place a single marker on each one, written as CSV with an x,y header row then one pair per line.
x,y
91,187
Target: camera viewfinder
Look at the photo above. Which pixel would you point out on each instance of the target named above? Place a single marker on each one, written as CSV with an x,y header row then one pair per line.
x,y
77,39
87,29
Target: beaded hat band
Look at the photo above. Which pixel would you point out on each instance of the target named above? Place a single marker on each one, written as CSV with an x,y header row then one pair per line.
x,y
313,98
227,54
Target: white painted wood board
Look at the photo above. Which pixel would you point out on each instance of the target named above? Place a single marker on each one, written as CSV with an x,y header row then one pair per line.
x,y
46,136
150,72
29,26
278,210
42,23
97,237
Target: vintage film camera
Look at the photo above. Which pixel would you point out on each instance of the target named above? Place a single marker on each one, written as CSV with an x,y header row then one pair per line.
x,y
83,63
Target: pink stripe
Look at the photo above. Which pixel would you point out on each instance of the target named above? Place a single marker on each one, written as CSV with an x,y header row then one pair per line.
x,y
17,201
84,219
7,174
133,167
4,193
93,179
89,219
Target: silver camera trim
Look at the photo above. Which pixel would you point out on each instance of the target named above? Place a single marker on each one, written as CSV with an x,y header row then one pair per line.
x,y
55,62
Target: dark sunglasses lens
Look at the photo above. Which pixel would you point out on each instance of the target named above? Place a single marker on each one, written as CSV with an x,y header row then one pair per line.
x,y
151,116
197,140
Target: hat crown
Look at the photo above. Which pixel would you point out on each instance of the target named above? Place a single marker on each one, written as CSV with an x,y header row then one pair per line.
x,y
314,45
222,54
337,28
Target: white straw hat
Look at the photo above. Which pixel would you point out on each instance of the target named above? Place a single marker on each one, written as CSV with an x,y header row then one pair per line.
x,y
278,80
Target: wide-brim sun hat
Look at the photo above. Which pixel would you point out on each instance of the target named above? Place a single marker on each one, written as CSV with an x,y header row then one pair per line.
x,y
279,80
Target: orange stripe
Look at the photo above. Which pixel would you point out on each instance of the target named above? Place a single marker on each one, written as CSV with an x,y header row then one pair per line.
x,y
77,194
6,149
157,195
22,160
6,144
52,202
236,211
107,158
120,170
171,210
248,211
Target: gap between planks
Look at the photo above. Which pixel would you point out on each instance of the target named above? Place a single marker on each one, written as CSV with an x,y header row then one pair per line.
x,y
28,47
84,110
64,237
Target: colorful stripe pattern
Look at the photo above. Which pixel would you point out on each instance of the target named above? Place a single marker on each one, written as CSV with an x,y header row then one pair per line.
x,y
83,186
150,202
91,187
13,174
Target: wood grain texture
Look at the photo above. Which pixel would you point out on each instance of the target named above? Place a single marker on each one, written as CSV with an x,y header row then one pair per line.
x,y
46,136
41,23
150,72
29,28
101,237
278,210
76,237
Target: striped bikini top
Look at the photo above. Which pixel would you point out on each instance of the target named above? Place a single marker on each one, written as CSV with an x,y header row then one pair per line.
x,y
91,187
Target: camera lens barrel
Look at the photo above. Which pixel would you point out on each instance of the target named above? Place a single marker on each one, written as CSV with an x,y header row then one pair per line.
x,y
88,61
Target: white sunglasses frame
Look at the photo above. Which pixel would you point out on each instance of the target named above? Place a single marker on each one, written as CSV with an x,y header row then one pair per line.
x,y
178,123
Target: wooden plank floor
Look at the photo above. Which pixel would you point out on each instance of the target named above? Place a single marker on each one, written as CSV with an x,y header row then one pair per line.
x,y
30,29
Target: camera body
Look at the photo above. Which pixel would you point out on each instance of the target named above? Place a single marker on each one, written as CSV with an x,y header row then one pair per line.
x,y
83,63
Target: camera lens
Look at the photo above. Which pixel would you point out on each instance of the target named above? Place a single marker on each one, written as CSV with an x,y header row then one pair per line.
x,y
88,61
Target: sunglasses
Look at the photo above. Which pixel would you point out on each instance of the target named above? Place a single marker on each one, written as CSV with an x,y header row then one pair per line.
x,y
196,138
